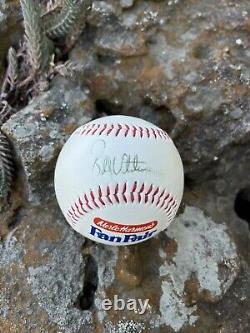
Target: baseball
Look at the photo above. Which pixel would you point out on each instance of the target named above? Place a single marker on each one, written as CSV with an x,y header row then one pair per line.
x,y
119,180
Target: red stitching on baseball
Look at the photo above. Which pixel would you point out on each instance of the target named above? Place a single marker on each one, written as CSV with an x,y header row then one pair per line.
x,y
162,199
110,129
160,196
108,194
127,130
93,199
124,192
87,202
104,127
74,213
71,215
95,129
132,197
167,203
115,194
90,129
154,194
139,193
141,131
81,205
78,209
100,195
166,197
118,130
134,129
154,133
147,193
122,129
169,208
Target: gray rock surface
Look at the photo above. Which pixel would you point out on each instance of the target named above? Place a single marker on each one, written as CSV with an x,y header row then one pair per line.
x,y
42,272
192,80
197,261
194,261
193,68
183,65
57,284
9,29
205,256
39,131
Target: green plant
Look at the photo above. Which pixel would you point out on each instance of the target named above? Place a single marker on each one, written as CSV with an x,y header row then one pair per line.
x,y
32,66
68,69
12,71
6,166
36,40
67,19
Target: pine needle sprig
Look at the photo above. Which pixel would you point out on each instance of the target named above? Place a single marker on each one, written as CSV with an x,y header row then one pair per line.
x,y
36,41
70,16
52,9
69,69
7,169
6,111
11,73
53,5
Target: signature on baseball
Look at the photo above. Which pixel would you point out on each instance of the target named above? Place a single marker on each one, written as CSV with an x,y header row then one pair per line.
x,y
113,165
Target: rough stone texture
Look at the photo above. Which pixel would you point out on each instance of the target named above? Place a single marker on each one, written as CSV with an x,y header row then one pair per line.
x,y
43,272
9,29
205,248
191,79
65,281
204,266
11,7
183,65
196,261
39,131
194,70
42,275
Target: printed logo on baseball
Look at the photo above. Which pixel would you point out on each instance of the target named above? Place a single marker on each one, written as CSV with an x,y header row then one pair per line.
x,y
119,180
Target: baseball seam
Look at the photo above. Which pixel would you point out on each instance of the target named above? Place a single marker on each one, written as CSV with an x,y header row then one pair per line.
x,y
123,194
124,130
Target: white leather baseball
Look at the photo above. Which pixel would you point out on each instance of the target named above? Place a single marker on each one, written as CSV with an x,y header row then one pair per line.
x,y
119,180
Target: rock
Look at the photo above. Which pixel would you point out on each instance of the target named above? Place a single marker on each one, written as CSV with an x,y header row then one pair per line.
x,y
183,65
193,262
65,283
196,260
197,77
10,251
46,122
127,3
42,271
195,71
10,30
204,266
218,197
9,11
242,202
103,11
115,40
2,16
